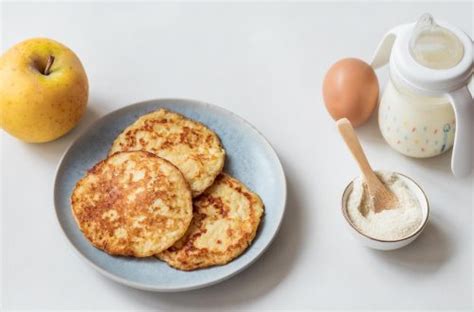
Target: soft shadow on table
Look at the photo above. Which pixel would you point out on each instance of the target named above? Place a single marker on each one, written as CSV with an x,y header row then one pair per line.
x,y
425,255
440,163
260,278
51,152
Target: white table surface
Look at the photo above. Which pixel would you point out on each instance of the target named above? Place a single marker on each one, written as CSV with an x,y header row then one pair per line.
x,y
264,62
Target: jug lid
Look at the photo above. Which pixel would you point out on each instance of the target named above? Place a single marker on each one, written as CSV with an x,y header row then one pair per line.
x,y
435,46
431,58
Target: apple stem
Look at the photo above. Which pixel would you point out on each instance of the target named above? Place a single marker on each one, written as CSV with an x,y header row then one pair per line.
x,y
48,65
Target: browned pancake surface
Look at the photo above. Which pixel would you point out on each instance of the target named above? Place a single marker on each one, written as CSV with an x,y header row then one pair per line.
x,y
226,219
132,204
189,145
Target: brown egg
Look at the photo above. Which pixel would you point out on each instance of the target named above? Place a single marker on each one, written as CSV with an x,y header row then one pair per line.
x,y
351,90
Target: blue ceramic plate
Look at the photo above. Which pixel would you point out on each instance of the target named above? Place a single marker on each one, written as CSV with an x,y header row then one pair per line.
x,y
250,158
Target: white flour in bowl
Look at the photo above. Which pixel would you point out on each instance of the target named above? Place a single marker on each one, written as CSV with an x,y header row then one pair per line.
x,y
391,224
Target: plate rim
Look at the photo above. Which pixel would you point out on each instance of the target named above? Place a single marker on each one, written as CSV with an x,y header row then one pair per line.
x,y
149,287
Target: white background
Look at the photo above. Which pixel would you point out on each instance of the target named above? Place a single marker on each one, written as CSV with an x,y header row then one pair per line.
x,y
264,62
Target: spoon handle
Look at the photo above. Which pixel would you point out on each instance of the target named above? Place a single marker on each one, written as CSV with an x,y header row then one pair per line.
x,y
382,197
348,134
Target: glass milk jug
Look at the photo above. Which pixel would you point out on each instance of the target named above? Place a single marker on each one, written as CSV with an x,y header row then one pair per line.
x,y
426,107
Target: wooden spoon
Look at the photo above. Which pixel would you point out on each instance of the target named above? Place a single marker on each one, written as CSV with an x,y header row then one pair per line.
x,y
382,197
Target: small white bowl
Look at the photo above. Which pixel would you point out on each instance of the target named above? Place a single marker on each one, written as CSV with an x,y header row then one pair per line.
x,y
388,244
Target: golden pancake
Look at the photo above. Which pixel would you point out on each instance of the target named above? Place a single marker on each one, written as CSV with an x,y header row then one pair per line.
x,y
132,204
188,144
225,220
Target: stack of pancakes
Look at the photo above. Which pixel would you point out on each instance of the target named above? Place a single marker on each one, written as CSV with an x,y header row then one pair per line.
x,y
161,192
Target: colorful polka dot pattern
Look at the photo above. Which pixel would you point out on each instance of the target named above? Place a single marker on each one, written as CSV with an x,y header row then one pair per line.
x,y
415,140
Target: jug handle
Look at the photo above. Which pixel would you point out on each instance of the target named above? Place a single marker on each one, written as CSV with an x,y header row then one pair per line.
x,y
461,160
384,49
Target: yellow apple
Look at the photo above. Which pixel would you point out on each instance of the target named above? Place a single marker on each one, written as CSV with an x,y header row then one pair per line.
x,y
43,90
